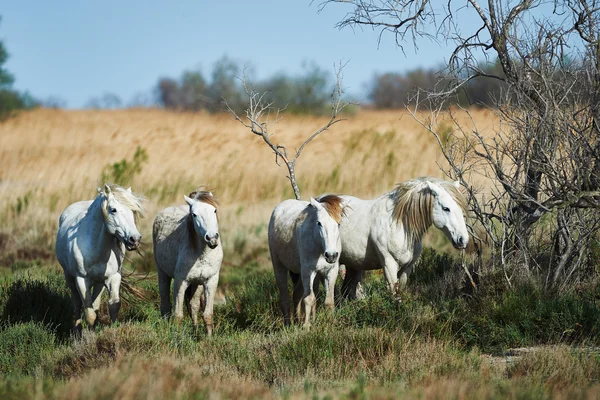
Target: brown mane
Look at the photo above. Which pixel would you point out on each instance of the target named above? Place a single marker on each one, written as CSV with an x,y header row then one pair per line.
x,y
204,196
412,204
334,206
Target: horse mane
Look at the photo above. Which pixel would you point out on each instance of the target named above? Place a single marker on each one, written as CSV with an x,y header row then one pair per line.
x,y
413,204
334,206
204,196
130,200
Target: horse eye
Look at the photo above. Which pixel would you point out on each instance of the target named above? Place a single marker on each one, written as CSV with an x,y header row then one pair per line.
x,y
319,223
113,210
215,211
193,215
446,209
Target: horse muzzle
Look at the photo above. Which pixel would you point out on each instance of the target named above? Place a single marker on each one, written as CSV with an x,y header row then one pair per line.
x,y
132,243
213,241
460,243
331,257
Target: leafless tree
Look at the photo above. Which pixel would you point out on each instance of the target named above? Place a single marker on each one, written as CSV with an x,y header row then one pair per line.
x,y
257,116
539,209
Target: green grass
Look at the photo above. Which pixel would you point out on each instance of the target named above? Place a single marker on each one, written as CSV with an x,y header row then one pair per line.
x,y
431,343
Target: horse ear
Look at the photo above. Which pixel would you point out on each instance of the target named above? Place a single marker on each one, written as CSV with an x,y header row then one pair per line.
x,y
457,184
188,200
315,204
210,194
435,191
107,190
129,189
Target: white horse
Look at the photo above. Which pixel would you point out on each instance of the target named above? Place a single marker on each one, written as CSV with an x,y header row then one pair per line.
x,y
187,248
304,240
387,232
90,246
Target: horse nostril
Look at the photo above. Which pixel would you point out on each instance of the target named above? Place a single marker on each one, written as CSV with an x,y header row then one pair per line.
x,y
132,240
207,238
216,235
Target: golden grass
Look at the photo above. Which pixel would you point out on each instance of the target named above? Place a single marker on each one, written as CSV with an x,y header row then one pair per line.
x,y
51,158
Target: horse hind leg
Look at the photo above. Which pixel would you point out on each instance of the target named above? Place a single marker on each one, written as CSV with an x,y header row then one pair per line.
x,y
76,299
114,302
351,283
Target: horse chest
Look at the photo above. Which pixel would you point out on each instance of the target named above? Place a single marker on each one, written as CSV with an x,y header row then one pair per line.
x,y
191,268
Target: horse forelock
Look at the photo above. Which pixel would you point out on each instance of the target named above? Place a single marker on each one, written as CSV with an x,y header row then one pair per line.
x,y
129,200
204,196
334,206
413,203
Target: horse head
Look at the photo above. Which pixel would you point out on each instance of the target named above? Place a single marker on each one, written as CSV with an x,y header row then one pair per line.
x,y
119,216
447,215
329,230
204,215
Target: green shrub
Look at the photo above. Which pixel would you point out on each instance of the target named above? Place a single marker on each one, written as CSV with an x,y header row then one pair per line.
x,y
46,301
23,347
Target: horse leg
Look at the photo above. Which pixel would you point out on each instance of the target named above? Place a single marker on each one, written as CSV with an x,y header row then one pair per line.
x,y
97,295
329,283
350,283
308,279
114,302
193,298
86,299
210,289
404,275
284,296
76,299
164,287
179,292
390,271
297,295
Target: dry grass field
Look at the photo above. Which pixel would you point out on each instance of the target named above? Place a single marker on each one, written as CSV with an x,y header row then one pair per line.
x,y
439,341
51,158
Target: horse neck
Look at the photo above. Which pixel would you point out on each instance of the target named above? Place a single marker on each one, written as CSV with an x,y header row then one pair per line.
x,y
193,239
310,232
96,228
406,240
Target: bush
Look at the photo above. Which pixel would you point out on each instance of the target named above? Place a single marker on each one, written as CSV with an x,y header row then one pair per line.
x,y
46,301
23,347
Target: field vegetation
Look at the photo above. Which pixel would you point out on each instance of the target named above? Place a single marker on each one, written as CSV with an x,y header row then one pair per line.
x,y
441,338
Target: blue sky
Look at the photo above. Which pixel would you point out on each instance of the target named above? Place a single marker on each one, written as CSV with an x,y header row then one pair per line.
x,y
79,49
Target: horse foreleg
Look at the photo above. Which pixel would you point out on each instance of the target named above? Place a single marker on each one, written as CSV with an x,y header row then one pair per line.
x,y
329,282
404,275
210,289
284,296
164,288
83,287
76,299
114,302
193,299
179,289
308,279
390,271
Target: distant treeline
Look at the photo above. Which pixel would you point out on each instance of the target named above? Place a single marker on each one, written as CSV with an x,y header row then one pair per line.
x,y
306,93
310,91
